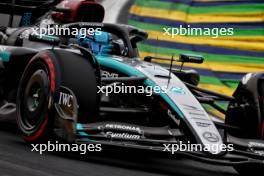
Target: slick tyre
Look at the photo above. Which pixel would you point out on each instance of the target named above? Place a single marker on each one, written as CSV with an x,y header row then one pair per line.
x,y
243,116
39,90
34,98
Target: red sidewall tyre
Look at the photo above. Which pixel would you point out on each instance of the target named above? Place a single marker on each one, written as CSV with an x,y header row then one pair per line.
x,y
34,98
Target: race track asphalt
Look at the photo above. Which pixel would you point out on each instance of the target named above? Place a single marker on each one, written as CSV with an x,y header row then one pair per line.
x,y
16,159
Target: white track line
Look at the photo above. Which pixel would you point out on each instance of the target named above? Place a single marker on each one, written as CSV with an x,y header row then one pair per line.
x,y
112,9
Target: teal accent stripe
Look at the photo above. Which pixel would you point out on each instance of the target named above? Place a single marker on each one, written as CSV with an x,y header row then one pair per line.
x,y
114,64
124,68
79,126
82,133
5,56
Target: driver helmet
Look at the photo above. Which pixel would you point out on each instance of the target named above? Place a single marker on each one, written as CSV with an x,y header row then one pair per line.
x,y
97,42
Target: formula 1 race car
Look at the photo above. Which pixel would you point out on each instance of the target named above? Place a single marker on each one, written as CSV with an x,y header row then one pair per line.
x,y
93,88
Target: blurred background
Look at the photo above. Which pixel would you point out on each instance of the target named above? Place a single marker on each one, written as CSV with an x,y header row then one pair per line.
x,y
227,58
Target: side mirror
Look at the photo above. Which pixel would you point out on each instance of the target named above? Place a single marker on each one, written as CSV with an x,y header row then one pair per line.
x,y
191,58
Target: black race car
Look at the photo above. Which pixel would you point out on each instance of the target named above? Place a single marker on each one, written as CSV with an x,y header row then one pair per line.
x,y
93,88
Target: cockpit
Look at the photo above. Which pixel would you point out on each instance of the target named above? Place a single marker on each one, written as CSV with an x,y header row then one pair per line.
x,y
103,43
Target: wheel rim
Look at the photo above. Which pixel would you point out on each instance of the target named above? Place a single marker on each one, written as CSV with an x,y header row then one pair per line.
x,y
34,98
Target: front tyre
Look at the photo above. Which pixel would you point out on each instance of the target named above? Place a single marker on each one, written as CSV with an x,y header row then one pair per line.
x,y
34,100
